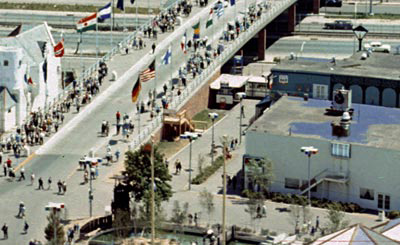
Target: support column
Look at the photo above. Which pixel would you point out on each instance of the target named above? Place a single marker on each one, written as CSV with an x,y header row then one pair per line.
x,y
381,95
397,97
364,91
262,43
316,6
291,18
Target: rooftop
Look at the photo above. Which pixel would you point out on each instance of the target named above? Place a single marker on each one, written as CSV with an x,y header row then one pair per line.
x,y
377,65
371,125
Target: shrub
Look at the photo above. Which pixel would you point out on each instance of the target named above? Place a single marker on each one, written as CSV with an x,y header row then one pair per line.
x,y
393,214
264,232
208,171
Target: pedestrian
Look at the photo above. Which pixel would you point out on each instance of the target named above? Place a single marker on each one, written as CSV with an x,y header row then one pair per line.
x,y
22,174
60,187
242,111
153,47
8,163
312,231
258,212
118,127
5,231
317,223
26,227
117,153
196,218
21,210
118,116
176,166
40,181
32,178
49,183
5,169
64,185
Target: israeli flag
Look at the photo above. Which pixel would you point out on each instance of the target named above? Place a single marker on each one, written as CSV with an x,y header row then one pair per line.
x,y
105,12
167,57
220,10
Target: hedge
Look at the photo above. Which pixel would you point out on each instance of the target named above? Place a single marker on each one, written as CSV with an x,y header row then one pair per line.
x,y
208,171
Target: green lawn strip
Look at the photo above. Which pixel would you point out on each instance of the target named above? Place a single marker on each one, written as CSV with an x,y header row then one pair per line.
x,y
208,171
203,117
70,8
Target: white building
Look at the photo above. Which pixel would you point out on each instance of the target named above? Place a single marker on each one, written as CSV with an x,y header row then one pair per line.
x,y
24,57
362,167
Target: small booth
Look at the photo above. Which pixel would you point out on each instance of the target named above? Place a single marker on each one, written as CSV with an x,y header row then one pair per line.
x,y
223,90
257,87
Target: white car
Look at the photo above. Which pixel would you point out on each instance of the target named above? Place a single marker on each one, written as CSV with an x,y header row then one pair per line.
x,y
377,47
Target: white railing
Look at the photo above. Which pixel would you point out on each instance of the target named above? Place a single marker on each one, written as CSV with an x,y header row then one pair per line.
x,y
206,74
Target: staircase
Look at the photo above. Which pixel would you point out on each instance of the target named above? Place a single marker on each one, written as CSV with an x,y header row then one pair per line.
x,y
325,175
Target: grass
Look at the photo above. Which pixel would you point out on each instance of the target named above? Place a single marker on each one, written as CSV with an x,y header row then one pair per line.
x,y
208,171
170,148
203,117
70,8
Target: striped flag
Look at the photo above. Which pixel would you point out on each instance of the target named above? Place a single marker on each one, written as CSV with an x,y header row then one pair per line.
x,y
149,73
210,18
196,32
183,43
105,12
59,49
220,10
87,23
136,90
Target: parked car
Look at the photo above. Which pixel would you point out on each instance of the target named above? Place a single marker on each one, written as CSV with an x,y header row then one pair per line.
x,y
339,25
377,47
333,3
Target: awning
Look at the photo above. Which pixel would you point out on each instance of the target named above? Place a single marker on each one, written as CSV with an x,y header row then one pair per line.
x,y
231,80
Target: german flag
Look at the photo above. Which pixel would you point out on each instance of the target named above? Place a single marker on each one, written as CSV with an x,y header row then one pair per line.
x,y
136,91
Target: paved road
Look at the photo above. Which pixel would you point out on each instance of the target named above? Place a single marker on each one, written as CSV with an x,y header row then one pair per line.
x,y
364,8
327,47
372,28
59,156
66,20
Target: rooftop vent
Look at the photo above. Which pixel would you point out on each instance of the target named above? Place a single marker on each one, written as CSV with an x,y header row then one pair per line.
x,y
341,102
342,128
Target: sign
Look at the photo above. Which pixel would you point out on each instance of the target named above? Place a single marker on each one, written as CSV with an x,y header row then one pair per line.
x,y
283,79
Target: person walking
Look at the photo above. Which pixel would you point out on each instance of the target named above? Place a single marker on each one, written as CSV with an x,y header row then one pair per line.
x,y
40,181
317,223
5,169
32,178
26,227
60,186
153,47
21,210
5,231
117,153
49,181
22,174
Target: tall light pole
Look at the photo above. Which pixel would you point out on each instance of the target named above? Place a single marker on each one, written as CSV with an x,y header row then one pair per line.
x,y
152,190
309,151
240,95
90,192
213,116
360,32
191,137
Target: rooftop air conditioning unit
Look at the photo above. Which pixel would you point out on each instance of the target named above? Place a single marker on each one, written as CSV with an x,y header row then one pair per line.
x,y
341,100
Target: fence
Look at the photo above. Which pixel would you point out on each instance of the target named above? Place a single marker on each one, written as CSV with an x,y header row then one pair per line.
x,y
207,73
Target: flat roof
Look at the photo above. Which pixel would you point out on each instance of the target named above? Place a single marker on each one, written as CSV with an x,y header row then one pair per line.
x,y
377,65
234,81
371,125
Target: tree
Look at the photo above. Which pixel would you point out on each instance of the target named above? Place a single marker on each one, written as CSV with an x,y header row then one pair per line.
x,y
138,172
200,163
335,218
206,200
261,176
251,209
54,224
180,215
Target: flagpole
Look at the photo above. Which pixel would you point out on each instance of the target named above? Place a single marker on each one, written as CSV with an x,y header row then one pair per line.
x,y
112,25
80,50
97,51
137,18
124,21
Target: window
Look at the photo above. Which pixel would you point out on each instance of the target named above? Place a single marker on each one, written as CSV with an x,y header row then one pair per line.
x,y
383,200
367,194
292,183
5,62
341,150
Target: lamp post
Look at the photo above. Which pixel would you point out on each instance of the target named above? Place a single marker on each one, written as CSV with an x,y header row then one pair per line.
x,y
191,137
302,48
152,191
213,116
224,147
360,32
240,95
309,151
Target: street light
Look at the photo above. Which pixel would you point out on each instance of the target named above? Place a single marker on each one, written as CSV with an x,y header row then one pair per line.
x,y
55,208
309,151
240,96
191,137
360,32
213,116
224,147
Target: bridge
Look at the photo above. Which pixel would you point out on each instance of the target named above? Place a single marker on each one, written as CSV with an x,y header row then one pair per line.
x,y
59,156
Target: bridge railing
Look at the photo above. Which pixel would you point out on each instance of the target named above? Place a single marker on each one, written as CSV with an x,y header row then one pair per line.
x,y
230,49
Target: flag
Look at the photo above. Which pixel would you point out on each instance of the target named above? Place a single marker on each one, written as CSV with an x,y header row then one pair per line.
x,y
105,12
15,32
149,73
196,32
120,4
59,49
232,2
210,18
183,43
136,90
87,23
29,80
220,10
167,57
132,1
